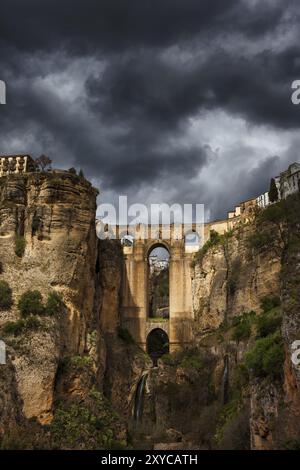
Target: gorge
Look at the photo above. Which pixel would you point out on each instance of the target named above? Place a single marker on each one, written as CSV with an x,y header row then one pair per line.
x,y
77,378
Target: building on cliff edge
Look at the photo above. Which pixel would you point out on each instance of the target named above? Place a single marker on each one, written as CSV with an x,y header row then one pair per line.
x,y
16,164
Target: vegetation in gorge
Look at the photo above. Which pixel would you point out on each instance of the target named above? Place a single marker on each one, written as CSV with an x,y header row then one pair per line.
x,y
20,326
92,424
31,303
215,239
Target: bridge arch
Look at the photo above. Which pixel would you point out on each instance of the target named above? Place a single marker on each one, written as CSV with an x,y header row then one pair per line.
x,y
158,285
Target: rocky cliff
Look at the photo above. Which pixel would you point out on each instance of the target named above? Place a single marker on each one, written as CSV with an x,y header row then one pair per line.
x,y
246,303
75,379
70,368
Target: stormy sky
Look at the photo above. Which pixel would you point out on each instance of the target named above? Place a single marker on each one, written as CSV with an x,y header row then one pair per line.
x,y
167,101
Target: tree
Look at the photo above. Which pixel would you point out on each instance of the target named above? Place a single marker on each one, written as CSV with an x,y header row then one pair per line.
x,y
81,175
273,191
43,162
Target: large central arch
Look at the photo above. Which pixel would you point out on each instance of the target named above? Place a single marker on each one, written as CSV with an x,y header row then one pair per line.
x,y
158,286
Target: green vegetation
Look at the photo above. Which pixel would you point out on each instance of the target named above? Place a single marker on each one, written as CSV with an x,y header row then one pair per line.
x,y
268,322
75,363
227,414
261,240
17,327
266,358
242,331
31,303
54,304
125,335
268,303
91,424
5,296
20,245
233,276
192,359
214,240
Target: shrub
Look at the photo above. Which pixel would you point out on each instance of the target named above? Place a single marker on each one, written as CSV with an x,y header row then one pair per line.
x,y
54,303
124,334
17,327
241,331
31,303
32,323
20,244
192,359
268,322
268,303
5,296
273,360
260,240
266,357
13,327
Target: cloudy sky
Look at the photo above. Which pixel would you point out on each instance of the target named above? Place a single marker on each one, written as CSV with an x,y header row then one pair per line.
x,y
166,101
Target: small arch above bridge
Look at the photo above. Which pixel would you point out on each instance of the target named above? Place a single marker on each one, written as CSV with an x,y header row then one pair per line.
x,y
157,344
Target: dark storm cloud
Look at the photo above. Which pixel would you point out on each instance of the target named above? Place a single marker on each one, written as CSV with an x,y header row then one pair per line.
x,y
145,86
118,24
146,69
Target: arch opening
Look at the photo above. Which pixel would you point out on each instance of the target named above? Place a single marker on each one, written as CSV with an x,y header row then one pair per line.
x,y
158,283
127,240
157,344
191,241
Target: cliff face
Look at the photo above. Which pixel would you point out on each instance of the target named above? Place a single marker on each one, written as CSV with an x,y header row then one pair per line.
x,y
125,360
229,280
48,220
257,261
78,371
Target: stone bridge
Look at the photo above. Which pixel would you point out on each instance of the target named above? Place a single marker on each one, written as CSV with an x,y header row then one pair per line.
x,y
135,290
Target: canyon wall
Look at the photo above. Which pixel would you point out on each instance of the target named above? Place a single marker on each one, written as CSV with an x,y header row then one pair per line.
x,y
73,371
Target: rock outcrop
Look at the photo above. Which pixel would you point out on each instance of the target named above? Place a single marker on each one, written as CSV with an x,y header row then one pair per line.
x,y
229,281
47,243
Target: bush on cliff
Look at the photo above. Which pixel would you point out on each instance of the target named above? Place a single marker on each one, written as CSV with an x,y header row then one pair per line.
x,y
31,303
5,296
242,331
54,304
17,327
268,303
268,322
266,358
214,240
